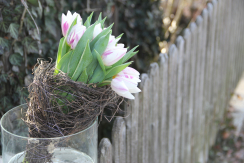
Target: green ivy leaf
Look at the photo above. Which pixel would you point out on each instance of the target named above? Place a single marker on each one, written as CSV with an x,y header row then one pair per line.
x,y
30,45
15,59
51,26
19,9
5,101
15,97
13,29
34,2
4,42
18,48
33,47
4,78
50,3
4,26
12,81
116,70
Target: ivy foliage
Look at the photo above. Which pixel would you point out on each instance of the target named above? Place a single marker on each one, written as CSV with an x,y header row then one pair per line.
x,y
141,22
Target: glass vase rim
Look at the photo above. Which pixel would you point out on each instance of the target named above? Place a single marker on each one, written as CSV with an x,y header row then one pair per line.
x,y
24,137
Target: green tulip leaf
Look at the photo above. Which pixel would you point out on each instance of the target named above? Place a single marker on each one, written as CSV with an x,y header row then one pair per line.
x,y
100,61
62,64
101,44
126,57
100,47
85,59
60,48
130,54
83,77
75,58
88,21
120,36
116,70
104,32
99,18
102,22
98,75
106,82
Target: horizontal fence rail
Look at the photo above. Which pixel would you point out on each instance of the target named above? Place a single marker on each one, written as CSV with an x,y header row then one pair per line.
x,y
184,96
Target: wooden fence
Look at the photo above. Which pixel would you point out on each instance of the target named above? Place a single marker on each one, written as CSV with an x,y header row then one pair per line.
x,y
176,117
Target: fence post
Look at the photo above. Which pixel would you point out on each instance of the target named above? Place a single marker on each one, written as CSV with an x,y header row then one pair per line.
x,y
171,100
163,93
132,109
153,136
178,121
105,151
143,129
186,109
119,140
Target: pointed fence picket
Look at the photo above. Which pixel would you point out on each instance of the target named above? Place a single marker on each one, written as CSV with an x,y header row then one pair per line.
x,y
184,96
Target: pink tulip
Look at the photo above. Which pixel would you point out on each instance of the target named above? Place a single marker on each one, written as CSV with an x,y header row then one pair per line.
x,y
67,20
125,83
75,34
113,54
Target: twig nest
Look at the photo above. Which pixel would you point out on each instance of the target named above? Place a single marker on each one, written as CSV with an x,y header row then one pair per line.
x,y
58,106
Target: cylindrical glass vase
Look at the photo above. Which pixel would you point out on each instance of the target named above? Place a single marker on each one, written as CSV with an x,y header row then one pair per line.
x,y
76,148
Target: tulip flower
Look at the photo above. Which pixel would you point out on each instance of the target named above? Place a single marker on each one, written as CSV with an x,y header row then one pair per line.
x,y
125,83
67,20
97,30
75,34
113,54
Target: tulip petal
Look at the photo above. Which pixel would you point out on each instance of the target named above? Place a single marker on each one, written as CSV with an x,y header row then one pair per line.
x,y
120,88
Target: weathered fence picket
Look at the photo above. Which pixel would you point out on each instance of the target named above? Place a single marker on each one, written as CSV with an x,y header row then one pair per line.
x,y
105,152
184,96
163,94
187,112
178,111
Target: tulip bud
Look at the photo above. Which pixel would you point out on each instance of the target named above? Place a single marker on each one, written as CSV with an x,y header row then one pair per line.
x,y
113,54
125,82
76,33
67,20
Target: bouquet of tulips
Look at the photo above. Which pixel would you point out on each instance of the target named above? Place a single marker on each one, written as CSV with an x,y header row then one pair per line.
x,y
89,53
90,74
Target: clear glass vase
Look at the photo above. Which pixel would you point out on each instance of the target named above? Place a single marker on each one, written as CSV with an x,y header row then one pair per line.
x,y
77,148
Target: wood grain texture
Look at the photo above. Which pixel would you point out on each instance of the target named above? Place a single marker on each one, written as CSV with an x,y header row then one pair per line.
x,y
178,112
187,117
144,128
163,110
192,58
172,69
154,116
105,151
119,140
